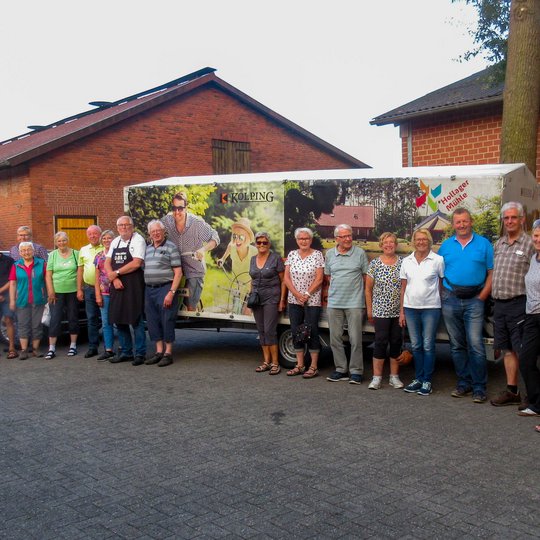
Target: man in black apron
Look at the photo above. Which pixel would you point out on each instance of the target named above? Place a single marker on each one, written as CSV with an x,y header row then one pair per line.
x,y
124,268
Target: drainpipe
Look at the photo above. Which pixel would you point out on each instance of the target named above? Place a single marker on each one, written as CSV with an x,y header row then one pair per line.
x,y
405,131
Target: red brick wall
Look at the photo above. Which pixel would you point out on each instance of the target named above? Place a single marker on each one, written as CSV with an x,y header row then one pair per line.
x,y
175,139
471,138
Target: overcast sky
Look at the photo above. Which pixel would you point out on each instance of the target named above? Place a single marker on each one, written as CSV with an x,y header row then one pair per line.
x,y
329,66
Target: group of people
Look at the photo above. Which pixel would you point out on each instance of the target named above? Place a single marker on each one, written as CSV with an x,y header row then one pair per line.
x,y
119,277
411,292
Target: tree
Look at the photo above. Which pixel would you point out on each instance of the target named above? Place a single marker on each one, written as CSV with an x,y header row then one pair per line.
x,y
522,85
491,34
508,32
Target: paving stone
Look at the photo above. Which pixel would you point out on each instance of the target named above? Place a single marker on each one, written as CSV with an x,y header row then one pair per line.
x,y
210,449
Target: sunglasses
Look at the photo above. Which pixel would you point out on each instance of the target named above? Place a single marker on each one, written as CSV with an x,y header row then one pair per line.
x,y
262,242
178,208
240,237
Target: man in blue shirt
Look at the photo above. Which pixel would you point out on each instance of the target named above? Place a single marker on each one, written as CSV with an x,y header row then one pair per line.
x,y
468,259
347,265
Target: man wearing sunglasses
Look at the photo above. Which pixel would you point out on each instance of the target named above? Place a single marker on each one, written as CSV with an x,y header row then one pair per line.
x,y
194,238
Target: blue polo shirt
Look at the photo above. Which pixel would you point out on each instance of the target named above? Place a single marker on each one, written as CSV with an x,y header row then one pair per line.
x,y
346,271
466,265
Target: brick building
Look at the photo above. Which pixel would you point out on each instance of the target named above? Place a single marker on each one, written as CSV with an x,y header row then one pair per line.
x,y
70,174
459,124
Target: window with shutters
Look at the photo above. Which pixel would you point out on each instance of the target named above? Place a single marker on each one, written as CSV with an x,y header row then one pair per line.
x,y
230,157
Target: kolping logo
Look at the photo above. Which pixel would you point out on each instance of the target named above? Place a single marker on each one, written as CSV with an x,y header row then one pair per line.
x,y
246,197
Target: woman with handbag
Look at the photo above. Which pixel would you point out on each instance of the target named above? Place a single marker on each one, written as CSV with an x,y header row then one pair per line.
x,y
304,270
61,278
267,299
421,274
383,290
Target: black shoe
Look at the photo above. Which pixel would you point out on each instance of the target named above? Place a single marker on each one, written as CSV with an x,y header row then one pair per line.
x,y
90,353
165,361
118,359
139,361
155,359
107,355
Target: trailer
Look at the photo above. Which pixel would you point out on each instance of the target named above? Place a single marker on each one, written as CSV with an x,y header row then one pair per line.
x,y
371,201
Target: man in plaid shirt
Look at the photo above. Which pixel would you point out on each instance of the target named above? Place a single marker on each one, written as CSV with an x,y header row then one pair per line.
x,y
194,238
512,256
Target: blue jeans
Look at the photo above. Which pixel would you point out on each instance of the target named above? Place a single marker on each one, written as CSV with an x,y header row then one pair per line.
x,y
161,321
126,343
464,320
108,330
422,325
92,315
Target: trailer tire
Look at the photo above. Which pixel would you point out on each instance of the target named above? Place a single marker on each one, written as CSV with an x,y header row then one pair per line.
x,y
3,333
287,356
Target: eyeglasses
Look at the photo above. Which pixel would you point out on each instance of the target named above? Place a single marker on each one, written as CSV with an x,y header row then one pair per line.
x,y
178,208
240,237
306,239
344,236
124,224
262,242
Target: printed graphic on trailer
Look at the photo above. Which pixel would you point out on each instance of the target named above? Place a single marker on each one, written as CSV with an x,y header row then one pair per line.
x,y
236,212
370,206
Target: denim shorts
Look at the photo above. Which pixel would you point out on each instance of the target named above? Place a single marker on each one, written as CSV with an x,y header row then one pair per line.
x,y
5,311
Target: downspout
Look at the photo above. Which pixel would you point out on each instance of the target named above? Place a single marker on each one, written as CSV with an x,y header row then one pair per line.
x,y
405,132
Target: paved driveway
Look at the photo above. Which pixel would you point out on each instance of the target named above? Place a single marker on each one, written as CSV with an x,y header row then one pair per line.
x,y
207,448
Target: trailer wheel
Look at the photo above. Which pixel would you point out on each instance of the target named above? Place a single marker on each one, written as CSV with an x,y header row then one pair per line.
x,y
287,355
3,333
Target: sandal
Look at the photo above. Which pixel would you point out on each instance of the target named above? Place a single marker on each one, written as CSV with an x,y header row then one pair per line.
x,y
72,351
265,366
275,369
310,373
12,354
296,370
50,355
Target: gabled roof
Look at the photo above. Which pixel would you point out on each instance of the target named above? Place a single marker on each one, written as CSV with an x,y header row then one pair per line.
x,y
43,139
355,216
478,89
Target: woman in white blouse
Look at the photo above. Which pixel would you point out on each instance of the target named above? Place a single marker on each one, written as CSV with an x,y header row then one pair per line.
x,y
303,277
421,274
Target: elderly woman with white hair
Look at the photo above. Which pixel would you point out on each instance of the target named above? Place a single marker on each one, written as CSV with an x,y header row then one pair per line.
x,y
162,275
304,272
61,280
530,344
421,274
28,296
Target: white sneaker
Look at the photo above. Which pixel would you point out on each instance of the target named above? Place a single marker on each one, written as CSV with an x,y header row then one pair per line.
x,y
375,383
395,381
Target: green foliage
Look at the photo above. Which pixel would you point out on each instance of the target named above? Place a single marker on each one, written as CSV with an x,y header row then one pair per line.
x,y
487,220
491,32
154,202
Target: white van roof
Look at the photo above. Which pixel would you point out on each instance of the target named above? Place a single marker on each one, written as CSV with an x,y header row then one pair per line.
x,y
471,171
